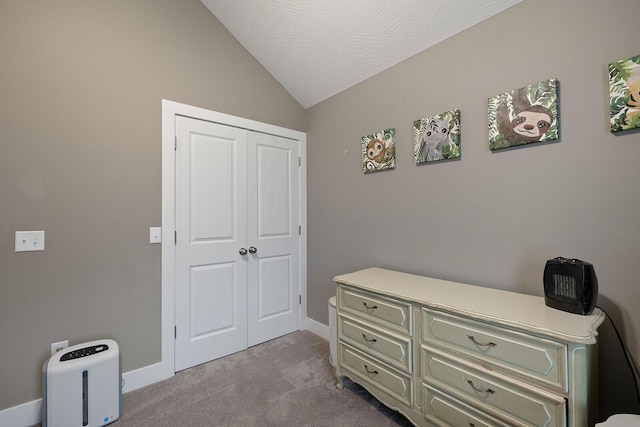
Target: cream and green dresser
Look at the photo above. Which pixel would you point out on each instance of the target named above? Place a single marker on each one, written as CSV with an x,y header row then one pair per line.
x,y
449,354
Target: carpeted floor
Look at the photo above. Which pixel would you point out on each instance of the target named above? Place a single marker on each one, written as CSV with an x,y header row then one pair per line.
x,y
284,382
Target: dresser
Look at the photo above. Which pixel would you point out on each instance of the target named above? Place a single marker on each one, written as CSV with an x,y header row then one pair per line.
x,y
444,353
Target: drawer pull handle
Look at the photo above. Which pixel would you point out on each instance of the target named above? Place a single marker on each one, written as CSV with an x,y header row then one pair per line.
x,y
483,344
369,340
480,390
366,368
369,307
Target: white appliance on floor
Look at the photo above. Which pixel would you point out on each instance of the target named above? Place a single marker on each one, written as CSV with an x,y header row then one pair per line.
x,y
621,420
81,386
333,339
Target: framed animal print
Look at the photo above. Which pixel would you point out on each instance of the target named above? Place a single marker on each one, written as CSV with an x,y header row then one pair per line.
x,y
624,94
379,151
524,116
437,137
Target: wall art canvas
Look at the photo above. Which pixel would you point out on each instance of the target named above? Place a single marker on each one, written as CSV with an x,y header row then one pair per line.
x,y
437,137
379,151
524,116
624,90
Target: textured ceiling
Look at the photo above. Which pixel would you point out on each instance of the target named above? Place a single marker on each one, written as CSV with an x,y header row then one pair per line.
x,y
317,48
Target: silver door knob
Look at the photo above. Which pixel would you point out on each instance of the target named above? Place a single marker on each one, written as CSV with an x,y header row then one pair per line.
x,y
242,251
253,249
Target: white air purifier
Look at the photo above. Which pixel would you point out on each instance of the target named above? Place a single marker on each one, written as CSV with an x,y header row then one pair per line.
x,y
81,386
333,333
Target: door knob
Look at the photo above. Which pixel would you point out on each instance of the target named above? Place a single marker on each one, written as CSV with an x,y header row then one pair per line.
x,y
242,251
253,249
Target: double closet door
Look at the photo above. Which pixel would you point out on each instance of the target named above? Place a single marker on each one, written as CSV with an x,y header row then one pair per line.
x,y
237,239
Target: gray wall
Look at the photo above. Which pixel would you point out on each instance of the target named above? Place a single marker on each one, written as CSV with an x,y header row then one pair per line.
x,y
490,219
81,84
80,139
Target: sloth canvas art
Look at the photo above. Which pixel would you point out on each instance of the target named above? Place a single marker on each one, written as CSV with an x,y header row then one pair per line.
x,y
624,89
524,116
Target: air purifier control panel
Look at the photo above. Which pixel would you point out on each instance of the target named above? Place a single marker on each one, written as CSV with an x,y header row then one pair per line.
x,y
84,352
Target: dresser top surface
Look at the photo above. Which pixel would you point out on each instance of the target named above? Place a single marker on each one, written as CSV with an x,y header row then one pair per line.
x,y
520,311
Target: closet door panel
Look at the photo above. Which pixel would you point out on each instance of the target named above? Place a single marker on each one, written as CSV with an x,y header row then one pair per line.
x,y
211,218
273,200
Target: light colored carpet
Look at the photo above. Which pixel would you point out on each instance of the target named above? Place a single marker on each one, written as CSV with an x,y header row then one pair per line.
x,y
284,382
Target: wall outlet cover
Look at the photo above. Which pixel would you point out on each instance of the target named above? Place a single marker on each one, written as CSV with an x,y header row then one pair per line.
x,y
57,346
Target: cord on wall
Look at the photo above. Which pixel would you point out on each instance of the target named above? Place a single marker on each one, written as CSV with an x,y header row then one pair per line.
x,y
627,355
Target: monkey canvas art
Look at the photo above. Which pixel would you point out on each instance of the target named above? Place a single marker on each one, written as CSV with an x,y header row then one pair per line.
x,y
524,116
624,89
379,151
437,137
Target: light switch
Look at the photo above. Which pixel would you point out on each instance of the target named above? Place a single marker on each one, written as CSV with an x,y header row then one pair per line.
x,y
28,241
155,234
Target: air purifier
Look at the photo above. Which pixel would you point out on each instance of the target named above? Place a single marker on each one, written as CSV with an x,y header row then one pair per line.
x,y
333,338
81,386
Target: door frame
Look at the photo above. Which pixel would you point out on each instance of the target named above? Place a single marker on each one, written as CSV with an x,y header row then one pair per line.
x,y
170,110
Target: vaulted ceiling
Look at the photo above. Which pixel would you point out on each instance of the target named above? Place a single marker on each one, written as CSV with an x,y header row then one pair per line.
x,y
318,48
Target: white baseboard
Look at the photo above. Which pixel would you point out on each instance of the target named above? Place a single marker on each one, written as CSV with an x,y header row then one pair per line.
x,y
30,413
317,328
145,376
24,415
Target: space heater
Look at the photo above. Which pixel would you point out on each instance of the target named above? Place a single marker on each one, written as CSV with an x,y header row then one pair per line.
x,y
81,386
570,285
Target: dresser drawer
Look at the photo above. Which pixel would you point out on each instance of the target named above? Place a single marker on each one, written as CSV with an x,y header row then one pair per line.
x,y
524,355
391,348
444,410
516,402
368,371
393,314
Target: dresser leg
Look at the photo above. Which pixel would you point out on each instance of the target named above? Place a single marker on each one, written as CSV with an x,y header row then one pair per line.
x,y
340,379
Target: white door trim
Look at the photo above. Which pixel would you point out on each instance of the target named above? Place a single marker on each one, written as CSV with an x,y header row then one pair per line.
x,y
170,110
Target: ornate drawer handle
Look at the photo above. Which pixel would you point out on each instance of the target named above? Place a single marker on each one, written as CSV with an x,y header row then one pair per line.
x,y
369,307
483,344
479,390
369,340
366,368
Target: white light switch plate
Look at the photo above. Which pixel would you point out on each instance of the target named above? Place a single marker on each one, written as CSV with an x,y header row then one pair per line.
x,y
28,241
155,234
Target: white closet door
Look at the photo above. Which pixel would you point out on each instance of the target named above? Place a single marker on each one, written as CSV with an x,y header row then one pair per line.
x,y
274,241
211,227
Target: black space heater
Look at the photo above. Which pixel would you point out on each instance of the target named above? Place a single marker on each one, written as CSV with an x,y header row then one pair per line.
x,y
570,285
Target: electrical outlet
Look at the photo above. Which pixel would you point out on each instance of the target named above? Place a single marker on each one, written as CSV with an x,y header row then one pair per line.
x,y
57,346
155,235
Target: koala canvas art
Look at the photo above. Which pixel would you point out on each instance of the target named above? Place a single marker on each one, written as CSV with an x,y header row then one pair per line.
x,y
524,116
437,137
624,89
379,151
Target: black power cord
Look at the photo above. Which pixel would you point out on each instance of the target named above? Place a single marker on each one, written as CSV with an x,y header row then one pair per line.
x,y
627,355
